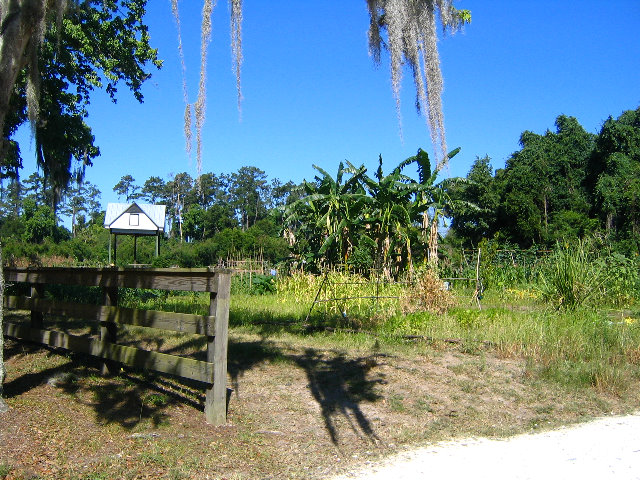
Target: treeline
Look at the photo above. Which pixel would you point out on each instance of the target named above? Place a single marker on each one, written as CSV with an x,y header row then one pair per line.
x,y
559,186
209,218
199,208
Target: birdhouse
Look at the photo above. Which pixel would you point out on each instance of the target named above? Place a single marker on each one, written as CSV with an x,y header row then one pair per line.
x,y
134,219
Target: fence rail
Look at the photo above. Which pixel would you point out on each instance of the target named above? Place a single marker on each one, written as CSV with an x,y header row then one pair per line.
x,y
212,372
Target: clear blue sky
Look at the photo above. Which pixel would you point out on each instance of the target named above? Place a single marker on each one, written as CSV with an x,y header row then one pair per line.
x,y
313,96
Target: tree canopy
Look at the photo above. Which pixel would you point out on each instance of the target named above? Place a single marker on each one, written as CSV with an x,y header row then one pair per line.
x,y
96,45
563,184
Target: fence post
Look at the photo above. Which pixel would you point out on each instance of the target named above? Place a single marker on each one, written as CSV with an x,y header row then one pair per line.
x,y
37,292
215,407
109,329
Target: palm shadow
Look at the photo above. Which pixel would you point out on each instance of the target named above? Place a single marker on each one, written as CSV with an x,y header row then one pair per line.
x,y
340,385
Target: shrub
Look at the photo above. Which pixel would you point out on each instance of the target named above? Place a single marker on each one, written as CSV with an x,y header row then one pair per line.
x,y
621,280
430,294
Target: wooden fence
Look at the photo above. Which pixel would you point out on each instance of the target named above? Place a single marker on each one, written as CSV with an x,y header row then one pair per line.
x,y
212,372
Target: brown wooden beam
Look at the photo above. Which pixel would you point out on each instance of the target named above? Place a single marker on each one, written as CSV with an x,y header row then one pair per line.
x,y
134,357
189,279
177,322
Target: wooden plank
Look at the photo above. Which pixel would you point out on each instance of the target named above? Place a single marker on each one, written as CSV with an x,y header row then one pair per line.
x,y
188,279
134,357
177,322
215,408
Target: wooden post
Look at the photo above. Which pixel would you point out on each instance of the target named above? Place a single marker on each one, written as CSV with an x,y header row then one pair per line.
x,y
215,407
109,329
115,248
135,249
37,291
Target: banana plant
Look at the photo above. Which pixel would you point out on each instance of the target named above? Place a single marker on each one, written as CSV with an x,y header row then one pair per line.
x,y
330,211
430,197
389,215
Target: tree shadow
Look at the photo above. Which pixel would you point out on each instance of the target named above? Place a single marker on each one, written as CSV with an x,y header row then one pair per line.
x,y
123,399
337,383
128,405
340,385
29,381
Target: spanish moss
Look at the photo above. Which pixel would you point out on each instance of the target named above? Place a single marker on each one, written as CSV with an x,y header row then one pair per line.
x,y
201,102
412,38
185,91
236,46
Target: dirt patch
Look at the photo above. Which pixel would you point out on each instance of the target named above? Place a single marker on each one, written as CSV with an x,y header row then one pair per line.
x,y
298,409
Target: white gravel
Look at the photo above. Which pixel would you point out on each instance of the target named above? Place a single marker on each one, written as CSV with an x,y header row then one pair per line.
x,y
606,448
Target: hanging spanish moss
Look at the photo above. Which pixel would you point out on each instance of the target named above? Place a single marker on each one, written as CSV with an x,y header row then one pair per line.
x,y
61,7
236,46
33,76
185,92
199,107
412,37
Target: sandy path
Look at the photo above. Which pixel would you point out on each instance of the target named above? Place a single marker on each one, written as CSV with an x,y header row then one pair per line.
x,y
606,448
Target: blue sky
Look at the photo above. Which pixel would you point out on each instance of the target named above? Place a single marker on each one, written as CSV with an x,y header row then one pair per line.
x,y
313,96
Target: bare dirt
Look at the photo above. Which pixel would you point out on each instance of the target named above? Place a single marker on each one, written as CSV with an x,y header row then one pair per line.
x,y
299,408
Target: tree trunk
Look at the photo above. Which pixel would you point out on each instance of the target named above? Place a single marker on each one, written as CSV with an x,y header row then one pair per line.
x,y
433,242
3,405
19,20
546,214
609,224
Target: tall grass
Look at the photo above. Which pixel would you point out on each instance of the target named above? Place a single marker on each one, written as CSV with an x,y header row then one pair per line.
x,y
580,274
349,300
572,276
578,344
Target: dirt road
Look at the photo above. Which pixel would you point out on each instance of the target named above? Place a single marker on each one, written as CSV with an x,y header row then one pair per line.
x,y
606,448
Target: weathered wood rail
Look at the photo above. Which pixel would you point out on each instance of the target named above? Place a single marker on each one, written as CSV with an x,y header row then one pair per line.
x,y
212,372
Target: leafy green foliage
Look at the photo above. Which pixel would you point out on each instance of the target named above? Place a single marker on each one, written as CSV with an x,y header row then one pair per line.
x,y
354,218
98,44
561,185
40,223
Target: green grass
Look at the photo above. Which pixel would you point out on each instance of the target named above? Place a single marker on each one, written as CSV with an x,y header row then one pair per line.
x,y
578,346
4,470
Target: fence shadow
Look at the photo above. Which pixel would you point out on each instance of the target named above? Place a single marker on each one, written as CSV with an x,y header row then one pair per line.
x,y
339,384
125,399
